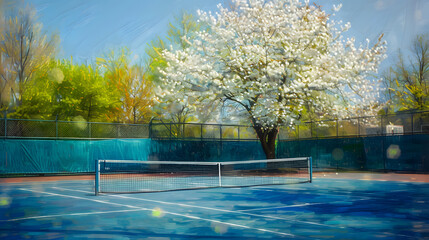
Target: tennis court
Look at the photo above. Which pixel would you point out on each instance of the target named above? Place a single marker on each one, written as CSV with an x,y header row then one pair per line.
x,y
333,206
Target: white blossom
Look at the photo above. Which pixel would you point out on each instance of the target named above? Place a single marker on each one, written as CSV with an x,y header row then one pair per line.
x,y
275,58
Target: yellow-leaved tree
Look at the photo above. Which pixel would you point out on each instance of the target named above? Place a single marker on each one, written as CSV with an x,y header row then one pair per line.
x,y
132,84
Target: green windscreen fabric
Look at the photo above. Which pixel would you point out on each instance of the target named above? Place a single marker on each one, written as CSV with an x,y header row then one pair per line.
x,y
395,153
30,156
402,153
205,151
65,156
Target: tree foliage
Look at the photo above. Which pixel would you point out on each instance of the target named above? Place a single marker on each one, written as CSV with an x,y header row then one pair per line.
x,y
407,84
132,84
275,59
24,49
69,91
179,33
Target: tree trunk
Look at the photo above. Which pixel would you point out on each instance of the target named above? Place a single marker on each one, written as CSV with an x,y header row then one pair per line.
x,y
267,137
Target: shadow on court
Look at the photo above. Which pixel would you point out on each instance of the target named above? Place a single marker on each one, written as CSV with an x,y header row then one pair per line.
x,y
336,206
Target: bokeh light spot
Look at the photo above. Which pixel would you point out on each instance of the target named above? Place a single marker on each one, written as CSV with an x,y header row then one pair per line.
x,y
157,212
219,228
393,152
80,123
338,154
4,201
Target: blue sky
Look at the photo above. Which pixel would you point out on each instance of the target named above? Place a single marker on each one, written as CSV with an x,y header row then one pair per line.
x,y
89,28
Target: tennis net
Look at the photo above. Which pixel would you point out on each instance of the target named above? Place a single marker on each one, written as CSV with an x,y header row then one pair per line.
x,y
125,176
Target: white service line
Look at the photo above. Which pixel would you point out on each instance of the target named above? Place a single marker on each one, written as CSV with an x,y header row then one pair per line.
x,y
207,208
297,205
332,195
288,206
147,209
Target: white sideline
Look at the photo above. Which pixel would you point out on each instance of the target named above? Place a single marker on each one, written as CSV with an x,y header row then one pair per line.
x,y
207,208
147,209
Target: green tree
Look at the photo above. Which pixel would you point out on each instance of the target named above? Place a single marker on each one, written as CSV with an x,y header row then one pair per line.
x,y
132,85
68,91
38,99
407,84
24,49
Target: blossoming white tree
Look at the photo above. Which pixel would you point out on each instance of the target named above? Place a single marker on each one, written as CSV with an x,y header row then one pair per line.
x,y
275,59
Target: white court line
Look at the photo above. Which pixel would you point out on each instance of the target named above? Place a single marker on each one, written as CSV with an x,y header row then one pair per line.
x,y
70,214
147,209
89,181
297,205
207,208
288,206
333,195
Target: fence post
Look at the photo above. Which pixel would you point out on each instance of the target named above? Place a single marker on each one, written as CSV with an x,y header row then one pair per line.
x,y
89,129
412,123
297,130
358,126
238,132
337,126
383,152
5,123
220,132
56,126
183,131
150,128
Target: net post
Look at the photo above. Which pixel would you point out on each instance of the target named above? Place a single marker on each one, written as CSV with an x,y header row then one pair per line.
x,y
97,177
310,168
220,174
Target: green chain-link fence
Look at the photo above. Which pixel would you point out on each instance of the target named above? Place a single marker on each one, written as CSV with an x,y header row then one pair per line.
x,y
397,124
404,123
29,128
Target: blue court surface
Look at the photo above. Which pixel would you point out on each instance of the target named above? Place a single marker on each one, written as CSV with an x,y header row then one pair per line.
x,y
324,209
